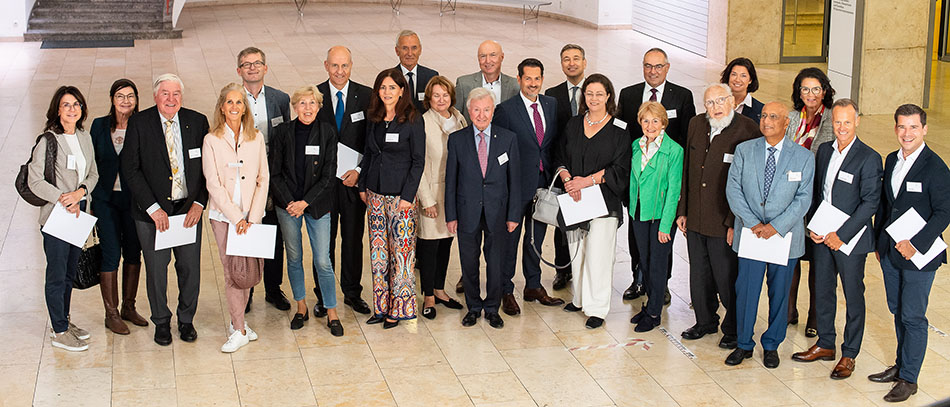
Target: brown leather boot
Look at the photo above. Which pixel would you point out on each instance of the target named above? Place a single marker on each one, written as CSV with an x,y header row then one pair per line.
x,y
110,297
130,286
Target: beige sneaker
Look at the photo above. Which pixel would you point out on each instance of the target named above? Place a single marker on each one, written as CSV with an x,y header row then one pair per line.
x,y
80,333
68,341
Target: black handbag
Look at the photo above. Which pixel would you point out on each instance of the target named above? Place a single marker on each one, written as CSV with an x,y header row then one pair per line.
x,y
22,182
90,263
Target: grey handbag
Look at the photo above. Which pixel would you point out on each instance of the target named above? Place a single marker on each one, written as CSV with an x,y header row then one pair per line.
x,y
545,203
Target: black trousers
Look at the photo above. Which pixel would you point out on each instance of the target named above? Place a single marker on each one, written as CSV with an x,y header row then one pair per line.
x,y
654,262
635,255
829,266
187,268
432,257
348,217
470,249
713,269
274,268
562,254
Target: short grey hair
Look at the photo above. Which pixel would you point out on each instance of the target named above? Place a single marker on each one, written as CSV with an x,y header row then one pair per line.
x,y
406,33
845,102
167,77
666,58
722,86
479,93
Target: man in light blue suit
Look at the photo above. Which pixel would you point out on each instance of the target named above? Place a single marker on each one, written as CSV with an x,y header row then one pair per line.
x,y
769,190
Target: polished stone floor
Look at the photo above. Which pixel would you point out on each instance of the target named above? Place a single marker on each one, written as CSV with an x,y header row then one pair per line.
x,y
543,357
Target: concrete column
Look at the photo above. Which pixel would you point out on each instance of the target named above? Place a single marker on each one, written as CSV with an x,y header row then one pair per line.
x,y
753,30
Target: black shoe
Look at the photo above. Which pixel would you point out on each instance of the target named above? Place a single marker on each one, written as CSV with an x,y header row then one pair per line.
x,y
887,376
277,299
357,304
770,359
636,318
470,318
561,280
667,298
901,391
737,356
696,331
728,342
297,321
390,324
494,320
450,303
375,319
428,312
250,298
336,328
647,323
594,322
187,332
570,307
811,332
633,292
163,334
319,311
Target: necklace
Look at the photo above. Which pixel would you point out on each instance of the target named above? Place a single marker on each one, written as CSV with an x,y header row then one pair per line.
x,y
590,123
387,123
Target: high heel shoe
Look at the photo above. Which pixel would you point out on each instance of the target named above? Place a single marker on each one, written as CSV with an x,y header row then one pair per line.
x,y
375,319
449,303
387,324
298,320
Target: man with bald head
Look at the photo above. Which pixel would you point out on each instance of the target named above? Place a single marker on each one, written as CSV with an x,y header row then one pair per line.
x,y
490,57
344,105
409,49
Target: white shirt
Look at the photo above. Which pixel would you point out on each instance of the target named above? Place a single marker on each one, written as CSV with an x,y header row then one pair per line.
x,y
902,167
415,77
745,102
118,141
659,92
833,167
333,91
778,151
527,106
494,87
75,150
449,124
236,197
576,97
258,107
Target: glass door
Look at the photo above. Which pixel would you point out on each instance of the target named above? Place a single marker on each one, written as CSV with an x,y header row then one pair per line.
x,y
805,33
943,45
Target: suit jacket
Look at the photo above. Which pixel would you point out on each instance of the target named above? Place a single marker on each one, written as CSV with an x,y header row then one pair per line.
x,y
932,203
755,111
465,83
107,161
705,171
423,76
67,180
352,133
675,99
468,194
825,131
512,115
145,165
857,196
394,168
320,168
788,199
562,94
657,187
432,186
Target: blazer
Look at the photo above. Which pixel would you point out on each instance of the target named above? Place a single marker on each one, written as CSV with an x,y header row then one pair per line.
x,y
788,200
656,187
352,133
107,161
755,111
321,169
675,99
705,171
858,196
145,165
423,76
432,186
512,115
825,131
66,180
932,203
223,161
465,83
468,194
278,105
395,167
562,94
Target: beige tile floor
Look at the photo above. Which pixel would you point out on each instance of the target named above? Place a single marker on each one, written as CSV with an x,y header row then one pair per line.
x,y
533,361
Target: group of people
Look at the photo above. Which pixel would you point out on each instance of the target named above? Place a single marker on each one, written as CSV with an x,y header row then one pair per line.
x,y
437,161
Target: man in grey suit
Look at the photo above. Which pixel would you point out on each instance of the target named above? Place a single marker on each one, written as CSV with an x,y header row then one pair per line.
x,y
270,107
490,57
769,190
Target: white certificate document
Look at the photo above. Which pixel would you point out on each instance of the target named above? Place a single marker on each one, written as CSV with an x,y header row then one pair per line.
x,y
772,250
67,227
922,259
258,241
906,226
827,219
590,206
176,235
346,159
848,247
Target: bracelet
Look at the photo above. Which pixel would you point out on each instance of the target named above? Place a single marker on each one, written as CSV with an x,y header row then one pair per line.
x,y
592,180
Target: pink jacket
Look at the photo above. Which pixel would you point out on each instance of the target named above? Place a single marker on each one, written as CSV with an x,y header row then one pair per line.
x,y
222,163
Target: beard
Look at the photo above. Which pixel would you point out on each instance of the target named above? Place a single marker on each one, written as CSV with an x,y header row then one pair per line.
x,y
721,123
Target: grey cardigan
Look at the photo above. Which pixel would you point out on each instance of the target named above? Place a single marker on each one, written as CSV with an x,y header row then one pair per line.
x,y
825,132
66,180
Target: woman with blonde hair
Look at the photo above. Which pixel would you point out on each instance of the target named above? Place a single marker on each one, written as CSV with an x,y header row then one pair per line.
x,y
234,160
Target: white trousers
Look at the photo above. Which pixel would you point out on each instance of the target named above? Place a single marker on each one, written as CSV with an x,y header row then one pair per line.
x,y
593,267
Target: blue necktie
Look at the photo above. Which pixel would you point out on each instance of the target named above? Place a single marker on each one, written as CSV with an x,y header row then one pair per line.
x,y
769,170
339,110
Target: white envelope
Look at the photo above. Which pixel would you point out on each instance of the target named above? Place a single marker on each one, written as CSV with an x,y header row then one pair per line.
x,y
827,219
258,241
346,159
922,259
847,248
772,250
67,227
590,206
176,235
906,226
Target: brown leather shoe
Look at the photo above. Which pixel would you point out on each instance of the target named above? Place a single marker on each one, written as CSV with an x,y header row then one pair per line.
x,y
901,391
540,295
887,376
814,353
843,369
459,287
509,305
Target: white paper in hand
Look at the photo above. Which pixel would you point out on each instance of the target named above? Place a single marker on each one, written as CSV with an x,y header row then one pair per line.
x,y
772,250
827,219
258,241
847,248
906,226
346,159
176,235
67,227
922,259
590,206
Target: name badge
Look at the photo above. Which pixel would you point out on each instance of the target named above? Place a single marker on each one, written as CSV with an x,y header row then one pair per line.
x,y
671,114
355,117
914,187
727,158
275,121
503,158
392,137
312,150
421,96
620,123
194,153
794,176
849,178
70,162
235,165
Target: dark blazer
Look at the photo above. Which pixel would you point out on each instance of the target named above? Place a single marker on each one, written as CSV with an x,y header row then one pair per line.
x,y
512,115
467,193
859,197
423,76
352,134
562,94
321,168
145,166
932,203
754,112
395,167
278,105
106,158
674,97
705,171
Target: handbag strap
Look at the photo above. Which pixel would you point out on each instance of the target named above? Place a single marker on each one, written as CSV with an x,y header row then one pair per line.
x,y
551,264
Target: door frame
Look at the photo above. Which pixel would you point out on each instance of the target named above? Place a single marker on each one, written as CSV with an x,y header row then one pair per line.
x,y
824,46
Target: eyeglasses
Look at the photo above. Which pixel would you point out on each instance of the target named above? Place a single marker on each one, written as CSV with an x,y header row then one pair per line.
x,y
592,95
248,65
71,106
120,97
717,101
657,67
771,116
814,91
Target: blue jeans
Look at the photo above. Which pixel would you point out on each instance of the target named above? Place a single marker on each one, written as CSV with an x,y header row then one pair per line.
x,y
319,232
908,292
748,289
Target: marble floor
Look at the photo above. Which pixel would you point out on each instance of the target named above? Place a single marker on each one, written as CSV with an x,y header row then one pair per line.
x,y
543,357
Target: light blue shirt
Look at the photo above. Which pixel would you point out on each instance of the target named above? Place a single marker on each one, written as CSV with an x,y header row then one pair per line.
x,y
487,132
778,150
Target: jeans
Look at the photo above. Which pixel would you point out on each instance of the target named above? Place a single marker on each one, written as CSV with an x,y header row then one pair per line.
x,y
908,293
319,232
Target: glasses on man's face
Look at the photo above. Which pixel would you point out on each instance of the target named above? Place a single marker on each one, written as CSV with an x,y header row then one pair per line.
x,y
122,98
71,106
256,64
657,67
771,116
717,101
814,91
592,95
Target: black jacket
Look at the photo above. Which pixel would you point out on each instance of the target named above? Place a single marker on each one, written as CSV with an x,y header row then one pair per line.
x,y
394,168
107,161
674,98
321,167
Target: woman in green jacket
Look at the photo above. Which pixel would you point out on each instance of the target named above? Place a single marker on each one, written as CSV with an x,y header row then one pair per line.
x,y
655,176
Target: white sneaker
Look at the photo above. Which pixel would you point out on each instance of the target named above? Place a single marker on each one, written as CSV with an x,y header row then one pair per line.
x,y
235,342
251,335
68,341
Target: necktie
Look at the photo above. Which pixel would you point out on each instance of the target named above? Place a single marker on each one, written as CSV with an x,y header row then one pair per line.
x,y
412,84
574,101
339,110
482,153
769,170
653,95
538,129
171,142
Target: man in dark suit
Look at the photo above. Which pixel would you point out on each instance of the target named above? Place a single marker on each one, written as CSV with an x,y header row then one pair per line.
x,y
568,96
409,49
703,214
481,201
161,162
914,178
270,107
678,102
848,177
345,104
533,119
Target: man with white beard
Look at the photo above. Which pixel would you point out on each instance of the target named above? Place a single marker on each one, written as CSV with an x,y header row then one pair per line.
x,y
703,214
